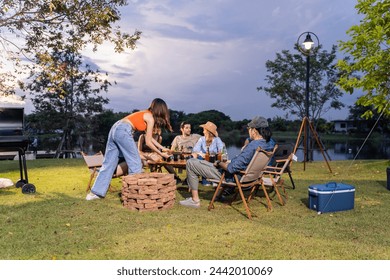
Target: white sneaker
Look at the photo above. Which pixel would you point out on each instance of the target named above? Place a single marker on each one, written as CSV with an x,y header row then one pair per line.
x,y
189,202
92,196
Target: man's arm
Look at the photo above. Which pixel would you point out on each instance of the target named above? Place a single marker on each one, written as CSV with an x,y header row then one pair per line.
x,y
241,161
220,164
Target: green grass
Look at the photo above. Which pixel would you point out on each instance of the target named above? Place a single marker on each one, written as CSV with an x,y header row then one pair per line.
x,y
57,223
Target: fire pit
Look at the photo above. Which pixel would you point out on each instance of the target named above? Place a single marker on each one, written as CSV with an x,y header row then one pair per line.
x,y
148,191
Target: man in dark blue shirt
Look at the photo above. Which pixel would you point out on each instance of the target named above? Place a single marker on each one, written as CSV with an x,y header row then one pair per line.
x,y
260,134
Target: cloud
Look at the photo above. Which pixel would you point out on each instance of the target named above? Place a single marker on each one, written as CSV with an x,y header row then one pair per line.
x,y
200,55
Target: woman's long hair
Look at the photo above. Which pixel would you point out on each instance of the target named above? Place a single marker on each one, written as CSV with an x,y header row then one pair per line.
x,y
160,113
209,137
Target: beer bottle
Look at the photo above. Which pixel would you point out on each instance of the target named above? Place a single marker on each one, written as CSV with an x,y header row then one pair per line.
x,y
219,155
224,156
207,155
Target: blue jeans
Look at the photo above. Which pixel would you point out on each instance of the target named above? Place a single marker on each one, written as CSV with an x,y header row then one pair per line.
x,y
120,143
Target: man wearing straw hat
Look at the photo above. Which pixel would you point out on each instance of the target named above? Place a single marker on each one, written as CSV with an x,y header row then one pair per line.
x,y
260,135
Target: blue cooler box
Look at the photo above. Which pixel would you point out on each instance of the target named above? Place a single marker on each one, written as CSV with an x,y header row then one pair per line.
x,y
331,197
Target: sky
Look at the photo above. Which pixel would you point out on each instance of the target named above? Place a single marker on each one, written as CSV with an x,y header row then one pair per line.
x,y
210,54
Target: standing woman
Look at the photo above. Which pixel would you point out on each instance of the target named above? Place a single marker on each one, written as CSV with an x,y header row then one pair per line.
x,y
121,143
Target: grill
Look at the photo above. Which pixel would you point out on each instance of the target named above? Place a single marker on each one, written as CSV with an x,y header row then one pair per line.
x,y
12,139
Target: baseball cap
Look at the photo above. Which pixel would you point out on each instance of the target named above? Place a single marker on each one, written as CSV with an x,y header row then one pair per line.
x,y
258,122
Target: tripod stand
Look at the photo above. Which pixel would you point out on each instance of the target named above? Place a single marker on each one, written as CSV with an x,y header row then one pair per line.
x,y
304,127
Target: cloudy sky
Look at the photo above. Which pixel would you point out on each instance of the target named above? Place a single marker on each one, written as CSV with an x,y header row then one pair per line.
x,y
210,54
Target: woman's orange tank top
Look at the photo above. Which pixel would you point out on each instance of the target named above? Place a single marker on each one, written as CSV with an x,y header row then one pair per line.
x,y
137,119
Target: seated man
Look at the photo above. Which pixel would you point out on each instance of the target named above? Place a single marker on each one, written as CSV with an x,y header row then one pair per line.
x,y
186,141
260,134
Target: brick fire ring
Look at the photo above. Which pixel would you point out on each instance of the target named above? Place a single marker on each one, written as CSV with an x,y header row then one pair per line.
x,y
148,191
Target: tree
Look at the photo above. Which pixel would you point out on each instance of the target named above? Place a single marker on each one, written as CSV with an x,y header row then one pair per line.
x,y
27,26
356,113
92,19
221,120
50,35
176,117
287,83
278,124
369,47
100,125
6,80
67,93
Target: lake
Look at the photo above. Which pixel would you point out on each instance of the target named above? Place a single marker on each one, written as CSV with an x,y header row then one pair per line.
x,y
346,150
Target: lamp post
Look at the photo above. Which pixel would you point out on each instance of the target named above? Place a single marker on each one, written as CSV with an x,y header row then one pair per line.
x,y
307,48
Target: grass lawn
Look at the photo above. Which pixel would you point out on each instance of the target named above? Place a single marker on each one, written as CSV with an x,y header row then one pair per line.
x,y
58,223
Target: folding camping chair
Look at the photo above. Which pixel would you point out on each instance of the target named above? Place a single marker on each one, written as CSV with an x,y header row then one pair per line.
x,y
272,178
282,153
94,163
250,178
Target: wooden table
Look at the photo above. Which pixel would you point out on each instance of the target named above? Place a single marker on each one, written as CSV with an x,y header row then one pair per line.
x,y
180,163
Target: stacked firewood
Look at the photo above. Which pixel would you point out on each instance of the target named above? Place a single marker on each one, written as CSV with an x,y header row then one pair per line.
x,y
148,191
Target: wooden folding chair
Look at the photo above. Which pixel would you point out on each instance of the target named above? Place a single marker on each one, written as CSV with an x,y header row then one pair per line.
x,y
251,177
272,177
94,163
282,153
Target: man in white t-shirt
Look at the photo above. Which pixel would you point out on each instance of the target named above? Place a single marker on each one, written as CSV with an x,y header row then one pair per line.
x,y
186,141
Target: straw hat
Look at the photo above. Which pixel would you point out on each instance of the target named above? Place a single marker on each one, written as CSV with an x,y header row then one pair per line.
x,y
211,127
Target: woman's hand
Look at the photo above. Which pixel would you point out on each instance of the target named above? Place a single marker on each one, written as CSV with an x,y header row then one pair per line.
x,y
165,155
167,151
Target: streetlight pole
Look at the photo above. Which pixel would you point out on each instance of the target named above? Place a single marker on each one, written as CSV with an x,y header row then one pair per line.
x,y
306,48
307,131
306,125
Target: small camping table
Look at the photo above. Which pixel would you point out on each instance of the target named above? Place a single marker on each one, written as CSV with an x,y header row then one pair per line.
x,y
180,163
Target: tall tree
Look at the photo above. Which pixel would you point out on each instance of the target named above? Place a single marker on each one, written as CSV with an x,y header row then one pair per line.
x,y
92,19
287,83
66,92
26,26
369,47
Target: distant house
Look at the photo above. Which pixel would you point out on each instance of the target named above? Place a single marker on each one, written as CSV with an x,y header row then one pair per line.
x,y
344,126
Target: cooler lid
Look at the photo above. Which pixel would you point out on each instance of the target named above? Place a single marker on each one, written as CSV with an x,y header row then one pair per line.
x,y
331,187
